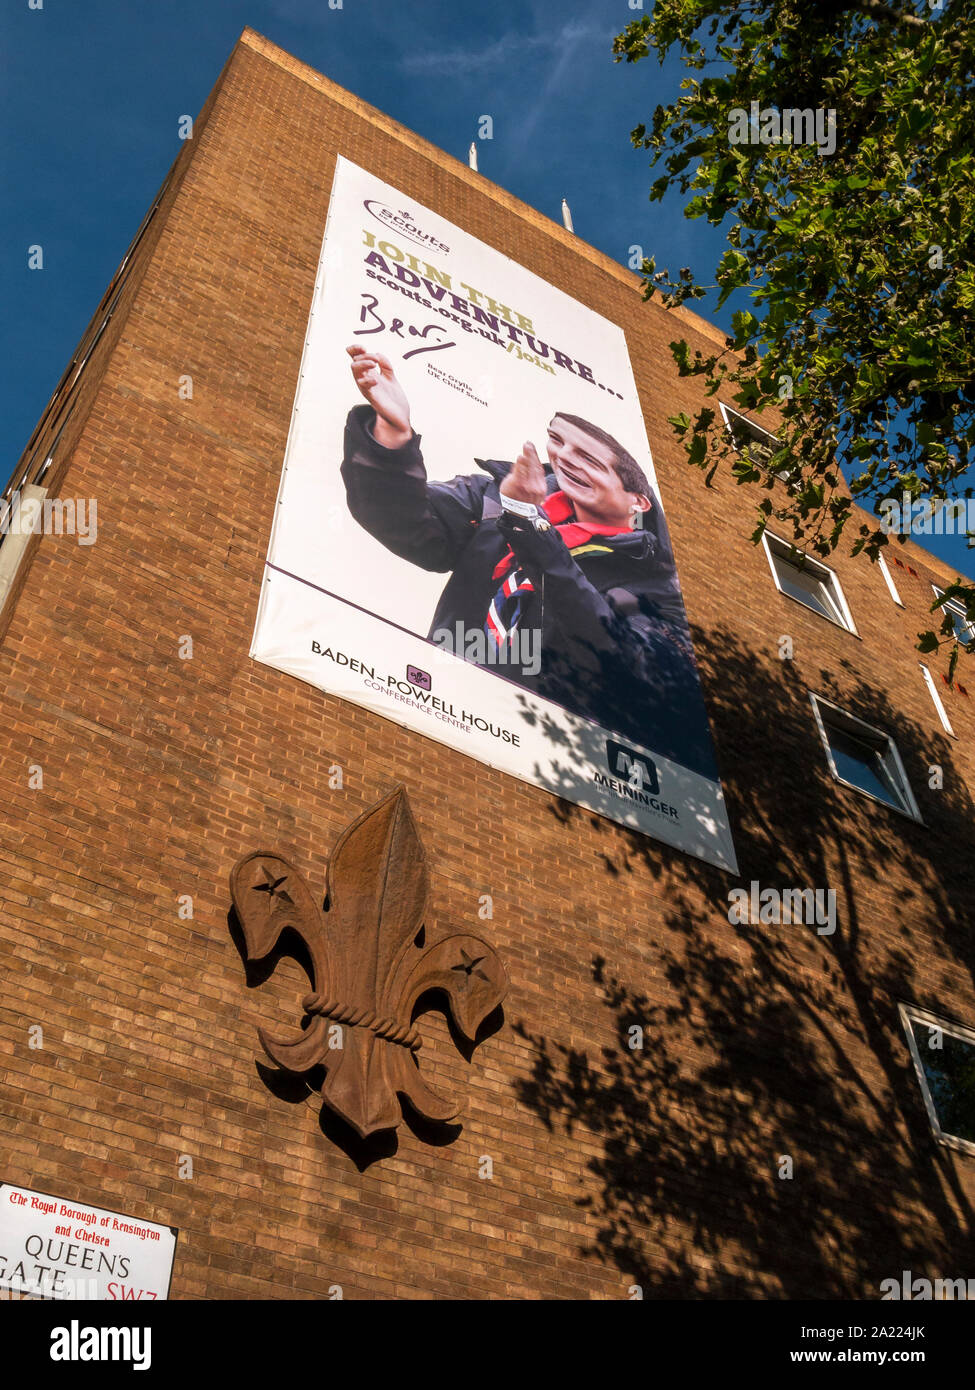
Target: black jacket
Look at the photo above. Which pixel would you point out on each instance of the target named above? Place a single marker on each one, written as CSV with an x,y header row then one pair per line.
x,y
615,646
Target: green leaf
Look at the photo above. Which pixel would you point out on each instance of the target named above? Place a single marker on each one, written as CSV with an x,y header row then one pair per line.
x,y
745,324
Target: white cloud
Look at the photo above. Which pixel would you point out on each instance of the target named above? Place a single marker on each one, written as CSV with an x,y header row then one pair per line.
x,y
511,50
555,86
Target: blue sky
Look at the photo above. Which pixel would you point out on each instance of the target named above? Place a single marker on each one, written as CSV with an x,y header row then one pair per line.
x,y
92,93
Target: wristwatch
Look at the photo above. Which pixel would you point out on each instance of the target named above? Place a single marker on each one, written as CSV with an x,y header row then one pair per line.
x,y
528,510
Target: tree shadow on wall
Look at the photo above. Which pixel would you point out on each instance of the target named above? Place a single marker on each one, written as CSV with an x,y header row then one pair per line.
x,y
771,1042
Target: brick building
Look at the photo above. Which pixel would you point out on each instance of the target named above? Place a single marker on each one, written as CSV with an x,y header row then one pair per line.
x,y
134,779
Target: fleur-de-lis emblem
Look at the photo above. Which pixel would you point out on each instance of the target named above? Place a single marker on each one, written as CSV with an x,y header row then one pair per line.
x,y
368,971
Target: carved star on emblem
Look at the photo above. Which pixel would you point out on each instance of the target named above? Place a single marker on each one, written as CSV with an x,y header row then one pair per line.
x,y
469,965
272,887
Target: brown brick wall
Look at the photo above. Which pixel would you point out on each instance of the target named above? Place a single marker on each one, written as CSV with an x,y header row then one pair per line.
x,y
611,1166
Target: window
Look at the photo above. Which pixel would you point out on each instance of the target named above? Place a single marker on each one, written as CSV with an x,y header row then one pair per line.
x,y
810,583
15,542
964,630
747,435
863,757
936,700
889,580
944,1059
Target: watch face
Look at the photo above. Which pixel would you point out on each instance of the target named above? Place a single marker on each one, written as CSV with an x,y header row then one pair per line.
x,y
511,504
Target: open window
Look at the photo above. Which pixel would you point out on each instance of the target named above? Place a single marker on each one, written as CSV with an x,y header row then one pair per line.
x,y
964,630
747,435
863,757
944,1060
808,581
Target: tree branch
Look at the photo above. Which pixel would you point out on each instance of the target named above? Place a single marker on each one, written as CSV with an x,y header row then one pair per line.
x,y
876,9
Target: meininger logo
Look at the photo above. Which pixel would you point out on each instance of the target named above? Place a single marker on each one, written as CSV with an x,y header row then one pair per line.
x,y
76,1343
52,516
635,769
757,906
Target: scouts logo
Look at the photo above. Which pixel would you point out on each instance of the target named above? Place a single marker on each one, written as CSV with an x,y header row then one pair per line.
x,y
371,963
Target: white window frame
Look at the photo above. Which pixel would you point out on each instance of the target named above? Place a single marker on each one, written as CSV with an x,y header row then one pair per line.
x,y
936,699
953,606
15,543
869,733
889,581
909,1012
727,412
820,571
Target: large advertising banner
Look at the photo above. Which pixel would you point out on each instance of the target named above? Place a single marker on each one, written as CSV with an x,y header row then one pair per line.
x,y
469,538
